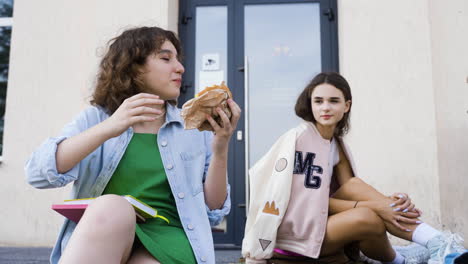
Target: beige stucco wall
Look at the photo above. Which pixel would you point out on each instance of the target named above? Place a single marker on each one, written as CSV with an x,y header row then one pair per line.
x,y
449,38
407,68
54,56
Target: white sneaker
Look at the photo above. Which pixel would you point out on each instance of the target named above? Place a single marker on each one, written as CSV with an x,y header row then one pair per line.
x,y
444,244
413,253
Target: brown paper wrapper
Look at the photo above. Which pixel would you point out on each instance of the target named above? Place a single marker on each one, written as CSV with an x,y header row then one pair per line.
x,y
205,102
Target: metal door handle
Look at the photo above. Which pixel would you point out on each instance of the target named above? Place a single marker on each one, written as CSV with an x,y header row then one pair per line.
x,y
247,140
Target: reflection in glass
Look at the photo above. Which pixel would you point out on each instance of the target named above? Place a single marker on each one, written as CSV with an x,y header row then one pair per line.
x,y
6,8
5,35
211,56
282,42
210,45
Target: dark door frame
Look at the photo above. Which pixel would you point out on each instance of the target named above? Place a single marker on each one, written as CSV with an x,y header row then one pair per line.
x,y
235,56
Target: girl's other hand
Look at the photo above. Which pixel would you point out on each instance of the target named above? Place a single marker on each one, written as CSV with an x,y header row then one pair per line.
x,y
402,203
138,108
384,209
224,131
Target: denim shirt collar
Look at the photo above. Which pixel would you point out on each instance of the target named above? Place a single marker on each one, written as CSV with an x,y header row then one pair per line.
x,y
173,114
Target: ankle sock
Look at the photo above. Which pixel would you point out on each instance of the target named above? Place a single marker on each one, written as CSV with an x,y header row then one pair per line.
x,y
423,233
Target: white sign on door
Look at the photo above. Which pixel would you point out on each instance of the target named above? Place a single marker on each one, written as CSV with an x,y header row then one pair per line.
x,y
209,78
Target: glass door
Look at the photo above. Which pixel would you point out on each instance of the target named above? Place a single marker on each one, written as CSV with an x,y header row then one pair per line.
x,y
266,51
284,45
283,55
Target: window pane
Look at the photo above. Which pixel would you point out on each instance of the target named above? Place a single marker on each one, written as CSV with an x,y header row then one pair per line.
x,y
211,46
283,55
5,34
6,8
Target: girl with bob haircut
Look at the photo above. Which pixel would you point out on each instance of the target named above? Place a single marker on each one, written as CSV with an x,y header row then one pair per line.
x,y
307,202
132,141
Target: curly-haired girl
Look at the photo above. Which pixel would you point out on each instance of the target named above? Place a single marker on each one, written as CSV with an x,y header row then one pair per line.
x,y
132,141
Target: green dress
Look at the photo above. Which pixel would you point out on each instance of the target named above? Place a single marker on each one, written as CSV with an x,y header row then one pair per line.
x,y
141,173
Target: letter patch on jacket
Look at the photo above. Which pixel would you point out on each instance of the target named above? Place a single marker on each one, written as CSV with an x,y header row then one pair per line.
x,y
306,166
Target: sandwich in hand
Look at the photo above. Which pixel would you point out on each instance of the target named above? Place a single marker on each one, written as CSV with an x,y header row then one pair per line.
x,y
205,102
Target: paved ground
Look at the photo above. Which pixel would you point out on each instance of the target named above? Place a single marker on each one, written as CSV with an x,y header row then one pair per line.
x,y
12,255
24,255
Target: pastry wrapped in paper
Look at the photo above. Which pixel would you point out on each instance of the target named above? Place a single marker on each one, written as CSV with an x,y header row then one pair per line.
x,y
205,102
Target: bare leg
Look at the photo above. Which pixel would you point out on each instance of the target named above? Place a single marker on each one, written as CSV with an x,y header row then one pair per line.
x,y
141,256
366,192
104,234
358,224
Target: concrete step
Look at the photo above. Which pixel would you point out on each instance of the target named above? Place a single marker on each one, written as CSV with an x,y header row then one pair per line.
x,y
27,255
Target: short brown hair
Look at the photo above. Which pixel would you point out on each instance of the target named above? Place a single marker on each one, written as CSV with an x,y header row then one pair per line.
x,y
120,68
303,106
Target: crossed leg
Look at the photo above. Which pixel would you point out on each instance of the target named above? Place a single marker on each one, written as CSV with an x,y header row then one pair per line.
x,y
358,224
348,191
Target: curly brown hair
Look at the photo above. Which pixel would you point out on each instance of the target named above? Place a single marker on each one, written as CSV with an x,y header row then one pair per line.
x,y
121,67
303,106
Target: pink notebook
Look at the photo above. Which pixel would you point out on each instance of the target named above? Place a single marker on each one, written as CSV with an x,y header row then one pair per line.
x,y
73,212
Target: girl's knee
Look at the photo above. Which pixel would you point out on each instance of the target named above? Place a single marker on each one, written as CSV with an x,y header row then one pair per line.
x,y
111,212
353,181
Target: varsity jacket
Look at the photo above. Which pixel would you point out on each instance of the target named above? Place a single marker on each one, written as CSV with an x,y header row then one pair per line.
x,y
272,221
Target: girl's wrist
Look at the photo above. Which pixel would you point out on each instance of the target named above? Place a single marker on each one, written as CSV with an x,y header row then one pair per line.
x,y
375,206
105,130
221,153
220,149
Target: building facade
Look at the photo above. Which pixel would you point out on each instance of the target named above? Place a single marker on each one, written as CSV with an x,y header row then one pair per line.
x,y
405,61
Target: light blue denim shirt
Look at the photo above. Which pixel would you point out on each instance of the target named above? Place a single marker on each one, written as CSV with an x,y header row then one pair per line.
x,y
185,154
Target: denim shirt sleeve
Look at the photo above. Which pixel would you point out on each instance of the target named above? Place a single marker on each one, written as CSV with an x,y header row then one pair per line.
x,y
216,215
41,168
